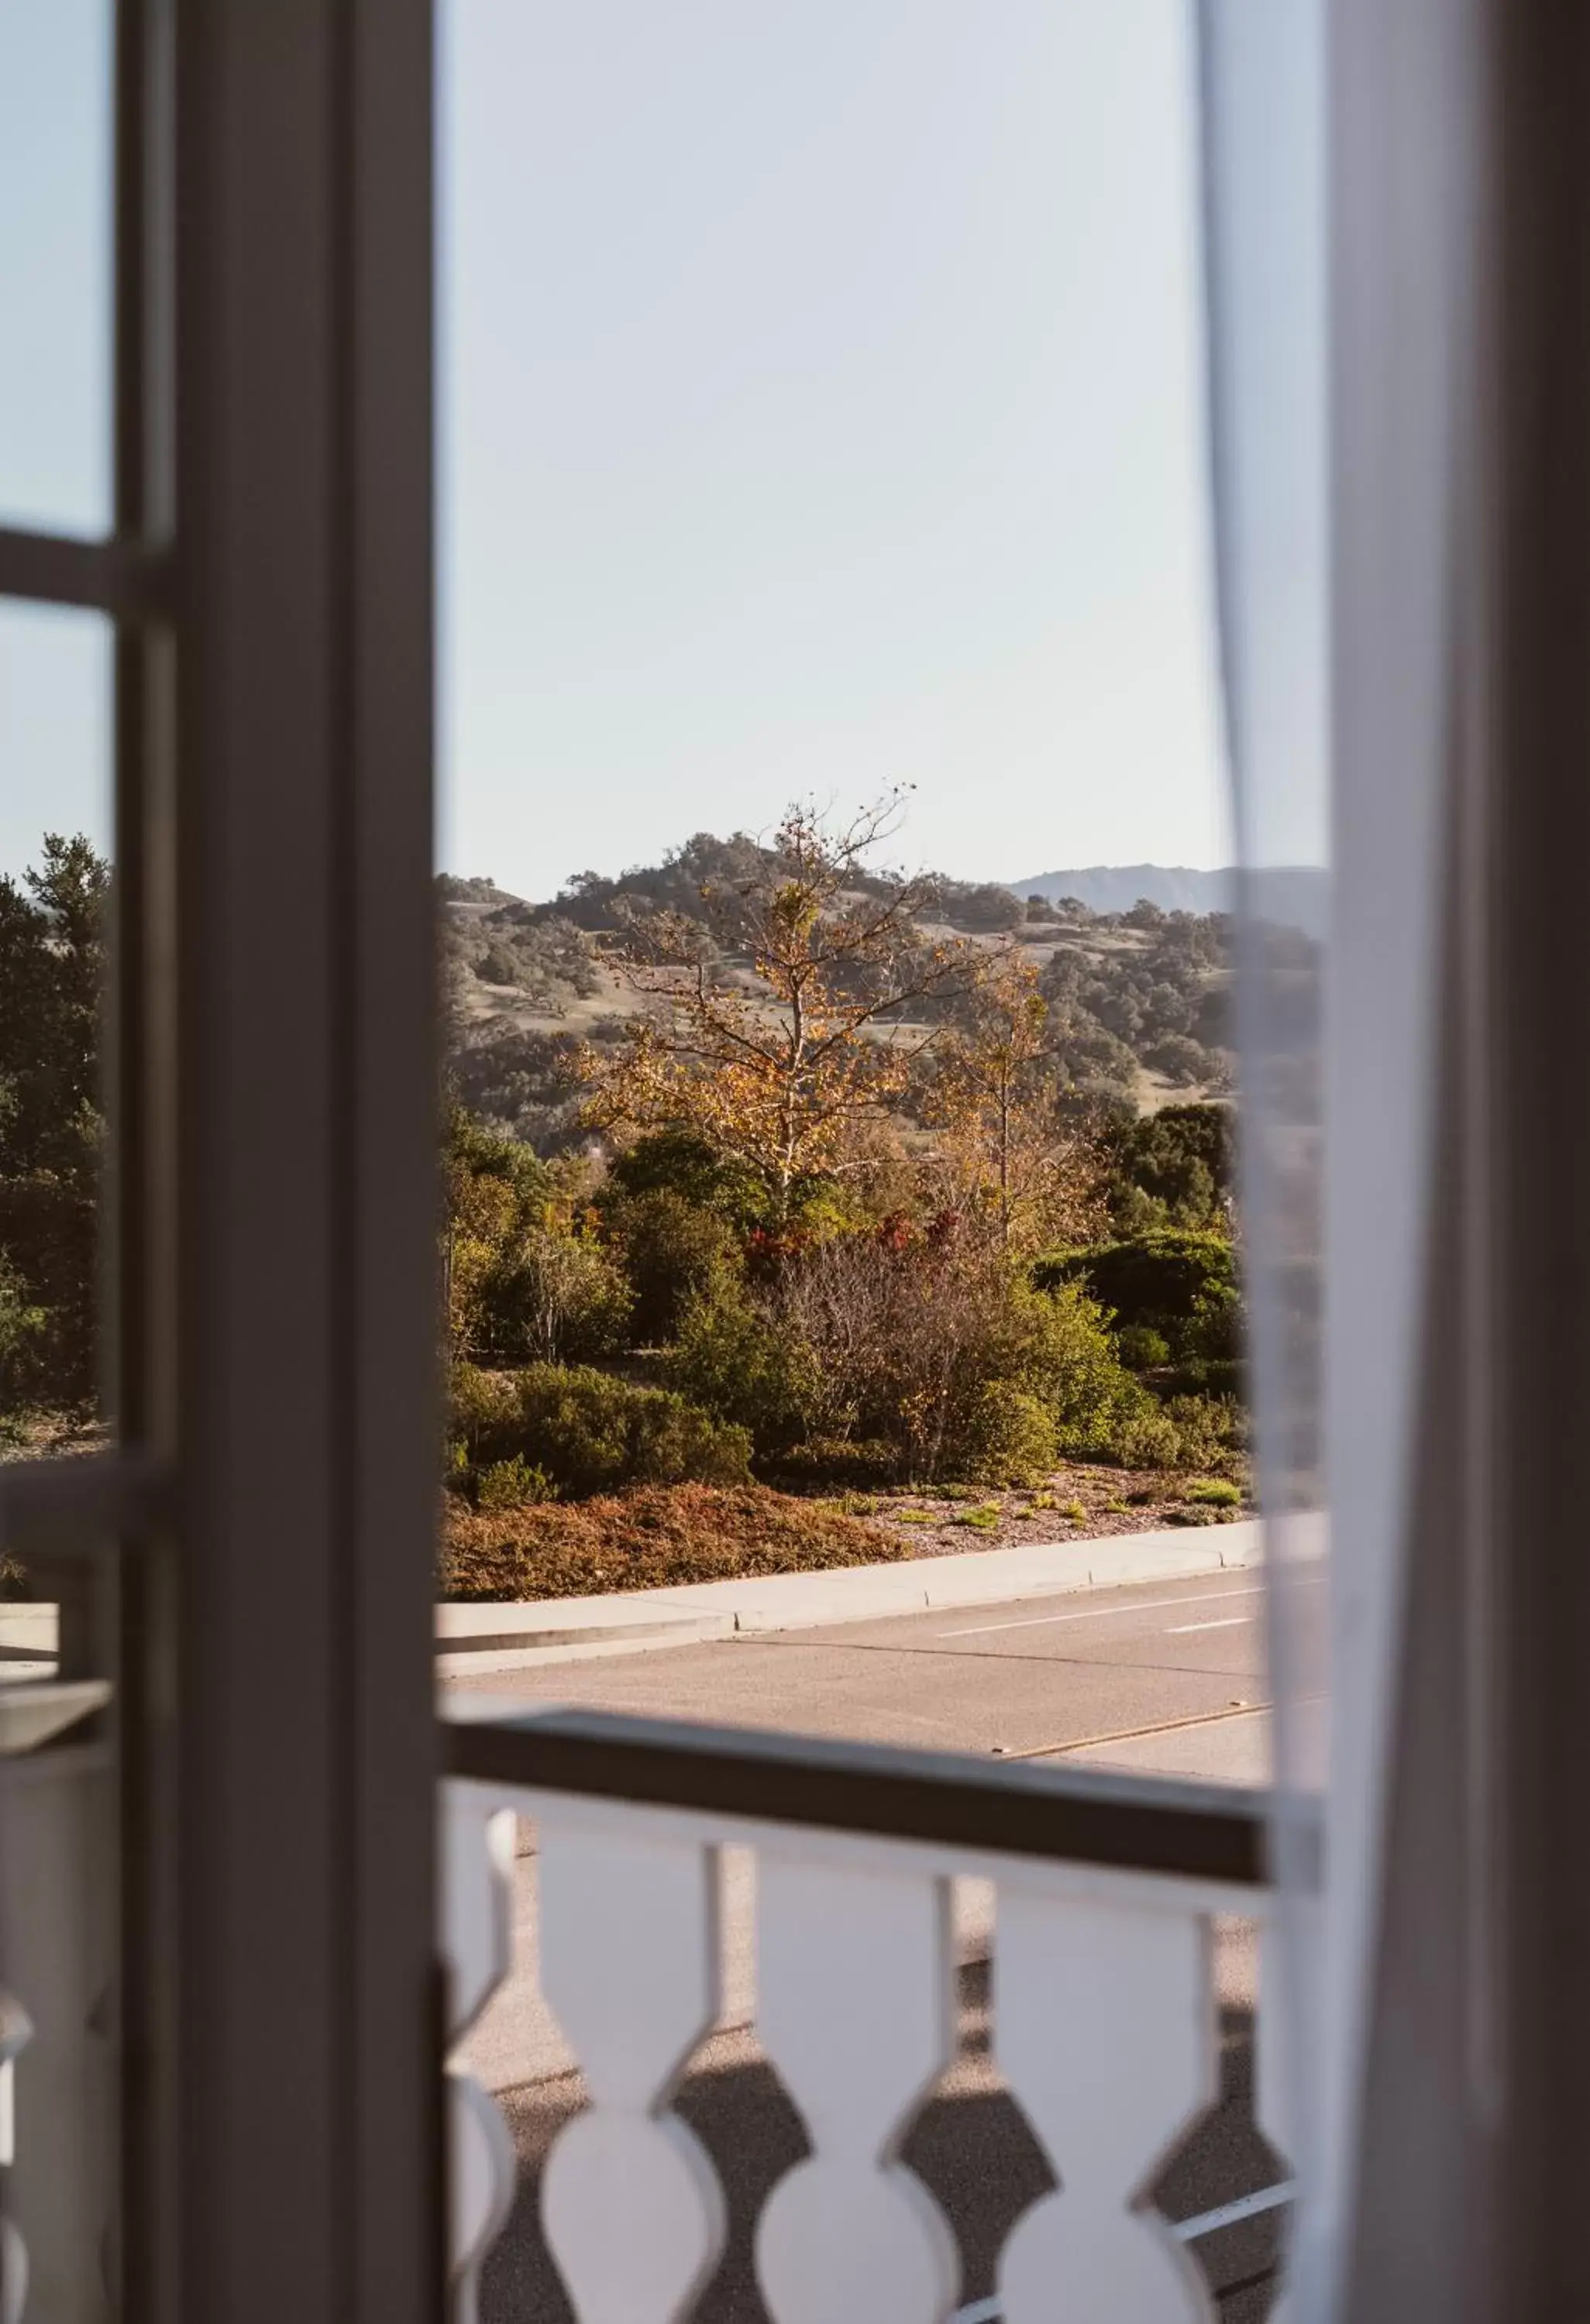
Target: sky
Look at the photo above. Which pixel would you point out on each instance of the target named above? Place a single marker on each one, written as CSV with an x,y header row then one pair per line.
x,y
821,412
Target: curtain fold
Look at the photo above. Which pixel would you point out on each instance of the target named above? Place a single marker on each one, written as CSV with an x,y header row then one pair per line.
x,y
1338,155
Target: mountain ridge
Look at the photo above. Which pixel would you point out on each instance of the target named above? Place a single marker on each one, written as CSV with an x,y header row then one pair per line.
x,y
1294,893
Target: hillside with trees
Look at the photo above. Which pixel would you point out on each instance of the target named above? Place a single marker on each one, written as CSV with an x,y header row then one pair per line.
x,y
894,1195
794,1210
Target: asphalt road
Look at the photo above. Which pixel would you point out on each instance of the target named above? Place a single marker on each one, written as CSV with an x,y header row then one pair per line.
x,y
1164,1676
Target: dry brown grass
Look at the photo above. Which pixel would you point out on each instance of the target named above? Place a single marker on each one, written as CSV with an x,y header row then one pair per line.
x,y
651,1538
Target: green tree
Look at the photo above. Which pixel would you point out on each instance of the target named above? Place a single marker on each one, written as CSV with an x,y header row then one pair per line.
x,y
53,973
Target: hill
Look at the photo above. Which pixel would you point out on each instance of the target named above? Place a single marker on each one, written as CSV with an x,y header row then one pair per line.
x,y
1139,998
1116,887
1296,894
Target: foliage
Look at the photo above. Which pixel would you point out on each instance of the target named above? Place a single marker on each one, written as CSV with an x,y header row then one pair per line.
x,y
682,1161
53,970
979,905
1166,983
1009,1152
1012,1437
1182,1286
23,1323
542,958
525,1277
915,1339
1140,1348
510,1484
783,1074
650,1538
589,1431
673,1253
1171,1170
521,1082
1217,1492
733,1356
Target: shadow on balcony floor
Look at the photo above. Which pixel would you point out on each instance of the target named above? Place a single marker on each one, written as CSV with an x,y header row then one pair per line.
x,y
970,2145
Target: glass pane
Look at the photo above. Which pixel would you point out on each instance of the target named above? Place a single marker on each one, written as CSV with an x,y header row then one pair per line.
x,y
54,878
842,1312
823,510
55,177
58,1786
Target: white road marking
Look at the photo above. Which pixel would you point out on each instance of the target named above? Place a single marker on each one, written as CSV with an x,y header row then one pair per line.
x,y
1102,1613
1229,1622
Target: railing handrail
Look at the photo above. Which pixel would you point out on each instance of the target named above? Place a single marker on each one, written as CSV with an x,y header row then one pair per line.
x,y
1179,1829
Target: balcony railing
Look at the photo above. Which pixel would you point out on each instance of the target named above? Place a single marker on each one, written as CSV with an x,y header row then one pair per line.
x,y
57,1982
1105,1891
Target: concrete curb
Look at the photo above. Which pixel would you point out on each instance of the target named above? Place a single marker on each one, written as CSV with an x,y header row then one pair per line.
x,y
476,1639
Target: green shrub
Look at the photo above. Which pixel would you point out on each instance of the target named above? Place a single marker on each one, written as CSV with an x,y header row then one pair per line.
x,y
673,1253
558,1297
1140,1348
734,1359
1148,1438
1216,1492
1212,1433
1011,1437
683,1163
588,1431
482,1407
981,1520
510,1484
835,1461
914,1517
1183,1287
1074,1511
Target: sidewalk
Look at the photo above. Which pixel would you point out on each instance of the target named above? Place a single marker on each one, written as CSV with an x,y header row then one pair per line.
x,y
476,1638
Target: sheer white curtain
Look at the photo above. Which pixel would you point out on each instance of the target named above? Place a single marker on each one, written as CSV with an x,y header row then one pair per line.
x,y
1337,142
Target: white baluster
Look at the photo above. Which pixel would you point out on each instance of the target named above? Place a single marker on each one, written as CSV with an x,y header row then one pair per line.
x,y
16,2032
631,1968
1275,2076
1104,2032
855,1981
477,1840
56,1945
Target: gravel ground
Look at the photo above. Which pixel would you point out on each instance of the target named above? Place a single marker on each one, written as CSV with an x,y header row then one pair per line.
x,y
1082,1502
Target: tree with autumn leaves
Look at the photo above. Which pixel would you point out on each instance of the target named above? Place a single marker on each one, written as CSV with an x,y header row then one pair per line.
x,y
818,1008
1007,1147
785,1049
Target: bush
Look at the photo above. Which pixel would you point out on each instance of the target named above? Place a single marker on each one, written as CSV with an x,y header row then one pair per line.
x,y
836,1461
736,1360
649,1538
1140,1348
1188,1432
1183,1287
1212,1432
559,1297
1148,1438
1215,1492
672,1252
683,1163
914,1341
587,1431
510,1484
1011,1437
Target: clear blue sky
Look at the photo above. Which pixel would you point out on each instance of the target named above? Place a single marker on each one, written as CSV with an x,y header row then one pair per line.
x,y
821,411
